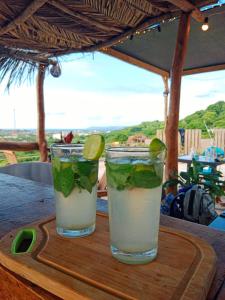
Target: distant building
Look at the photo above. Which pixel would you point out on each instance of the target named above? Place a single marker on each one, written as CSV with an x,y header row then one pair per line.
x,y
138,139
147,141
57,136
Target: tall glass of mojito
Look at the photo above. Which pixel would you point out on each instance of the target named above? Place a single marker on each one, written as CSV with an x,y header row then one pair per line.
x,y
75,179
134,181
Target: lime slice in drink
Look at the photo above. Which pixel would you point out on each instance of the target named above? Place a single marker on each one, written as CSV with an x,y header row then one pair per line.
x,y
156,147
94,146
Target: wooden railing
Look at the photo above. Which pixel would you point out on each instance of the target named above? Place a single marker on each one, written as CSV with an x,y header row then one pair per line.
x,y
194,140
18,146
219,137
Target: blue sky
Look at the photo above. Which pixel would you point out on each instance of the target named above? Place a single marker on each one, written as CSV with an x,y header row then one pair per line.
x,y
106,74
98,90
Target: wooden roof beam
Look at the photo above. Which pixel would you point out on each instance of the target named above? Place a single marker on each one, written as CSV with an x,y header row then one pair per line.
x,y
26,57
202,3
187,6
29,11
36,45
31,59
134,61
82,17
218,67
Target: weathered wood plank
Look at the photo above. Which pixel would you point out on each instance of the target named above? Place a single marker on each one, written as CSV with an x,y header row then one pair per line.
x,y
219,137
192,140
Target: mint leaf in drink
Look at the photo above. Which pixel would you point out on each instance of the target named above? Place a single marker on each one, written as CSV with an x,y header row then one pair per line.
x,y
118,175
146,179
118,181
145,176
127,176
93,177
88,169
56,179
68,175
85,183
67,181
75,168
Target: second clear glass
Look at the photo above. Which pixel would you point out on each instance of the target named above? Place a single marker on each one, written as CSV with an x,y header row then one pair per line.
x,y
134,183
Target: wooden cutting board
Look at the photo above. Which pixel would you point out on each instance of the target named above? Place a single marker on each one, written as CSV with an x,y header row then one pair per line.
x,y
83,268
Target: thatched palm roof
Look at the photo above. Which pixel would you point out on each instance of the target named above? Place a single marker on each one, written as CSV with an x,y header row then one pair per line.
x,y
40,30
46,28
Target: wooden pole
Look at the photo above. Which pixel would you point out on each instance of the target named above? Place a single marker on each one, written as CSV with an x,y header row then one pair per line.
x,y
165,94
41,113
174,105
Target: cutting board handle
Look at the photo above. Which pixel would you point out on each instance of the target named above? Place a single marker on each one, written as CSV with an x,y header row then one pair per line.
x,y
24,241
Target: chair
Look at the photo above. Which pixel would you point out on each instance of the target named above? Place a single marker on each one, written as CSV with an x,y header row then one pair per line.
x,y
37,171
10,156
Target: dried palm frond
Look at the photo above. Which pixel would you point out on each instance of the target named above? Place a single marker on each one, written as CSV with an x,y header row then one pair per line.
x,y
17,65
16,70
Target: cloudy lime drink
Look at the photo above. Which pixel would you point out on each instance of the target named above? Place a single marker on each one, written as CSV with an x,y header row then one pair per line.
x,y
134,182
75,180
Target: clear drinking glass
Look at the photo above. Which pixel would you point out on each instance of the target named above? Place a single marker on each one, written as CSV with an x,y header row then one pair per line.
x,y
134,182
75,185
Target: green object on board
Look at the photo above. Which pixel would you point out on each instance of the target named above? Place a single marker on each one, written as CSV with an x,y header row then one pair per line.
x,y
24,241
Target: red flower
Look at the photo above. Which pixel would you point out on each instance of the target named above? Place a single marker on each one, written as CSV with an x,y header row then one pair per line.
x,y
68,138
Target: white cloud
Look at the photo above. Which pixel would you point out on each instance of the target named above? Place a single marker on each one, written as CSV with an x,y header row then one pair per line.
x,y
72,109
200,91
23,101
68,108
84,109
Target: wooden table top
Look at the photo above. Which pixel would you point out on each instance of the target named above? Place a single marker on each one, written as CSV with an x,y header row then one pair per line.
x,y
24,201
